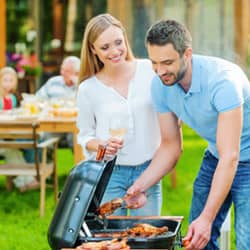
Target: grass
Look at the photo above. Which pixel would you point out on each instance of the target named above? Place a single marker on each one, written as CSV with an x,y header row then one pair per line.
x,y
20,225
177,201
22,229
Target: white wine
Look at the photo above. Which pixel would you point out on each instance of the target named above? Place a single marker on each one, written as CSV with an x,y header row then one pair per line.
x,y
118,132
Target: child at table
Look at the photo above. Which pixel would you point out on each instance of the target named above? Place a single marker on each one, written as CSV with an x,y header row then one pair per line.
x,y
8,101
8,85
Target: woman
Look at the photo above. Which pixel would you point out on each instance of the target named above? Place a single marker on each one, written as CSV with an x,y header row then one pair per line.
x,y
116,86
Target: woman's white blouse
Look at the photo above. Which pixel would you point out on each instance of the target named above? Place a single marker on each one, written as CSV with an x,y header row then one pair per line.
x,y
98,103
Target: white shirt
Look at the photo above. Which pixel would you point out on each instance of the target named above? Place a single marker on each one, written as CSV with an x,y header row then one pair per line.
x,y
98,103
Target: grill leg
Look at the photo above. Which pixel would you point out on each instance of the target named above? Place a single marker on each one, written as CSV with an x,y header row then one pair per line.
x,y
177,244
9,183
226,233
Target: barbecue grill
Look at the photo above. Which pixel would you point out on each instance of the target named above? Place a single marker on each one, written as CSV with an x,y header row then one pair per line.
x,y
75,219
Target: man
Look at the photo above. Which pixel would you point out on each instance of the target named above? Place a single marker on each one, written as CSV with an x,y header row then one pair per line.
x,y
212,96
60,88
64,85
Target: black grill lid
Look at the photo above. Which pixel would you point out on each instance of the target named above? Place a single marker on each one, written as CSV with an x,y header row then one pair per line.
x,y
79,199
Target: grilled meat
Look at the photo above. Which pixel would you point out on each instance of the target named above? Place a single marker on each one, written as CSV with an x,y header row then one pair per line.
x,y
121,234
143,230
114,244
109,207
146,230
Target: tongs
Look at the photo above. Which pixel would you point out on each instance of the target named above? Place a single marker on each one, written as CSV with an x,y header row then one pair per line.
x,y
109,207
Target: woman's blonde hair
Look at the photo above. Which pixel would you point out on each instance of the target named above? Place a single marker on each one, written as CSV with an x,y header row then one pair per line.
x,y
4,71
90,63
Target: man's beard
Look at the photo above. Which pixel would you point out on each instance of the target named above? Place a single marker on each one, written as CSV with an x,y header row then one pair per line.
x,y
180,74
182,71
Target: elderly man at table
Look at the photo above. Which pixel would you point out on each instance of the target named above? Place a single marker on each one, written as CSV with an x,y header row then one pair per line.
x,y
65,84
61,87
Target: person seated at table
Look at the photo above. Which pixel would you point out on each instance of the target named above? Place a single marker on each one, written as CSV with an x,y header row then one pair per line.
x,y
61,87
64,85
8,101
8,85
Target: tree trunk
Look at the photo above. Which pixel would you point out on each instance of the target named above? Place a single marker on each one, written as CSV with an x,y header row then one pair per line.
x,y
3,33
241,28
70,26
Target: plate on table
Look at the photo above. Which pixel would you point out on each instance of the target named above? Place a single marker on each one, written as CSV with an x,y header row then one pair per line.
x,y
5,117
27,117
64,112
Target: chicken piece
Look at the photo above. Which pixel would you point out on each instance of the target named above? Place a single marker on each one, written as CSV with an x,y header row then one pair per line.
x,y
118,245
91,246
143,230
110,206
146,230
114,244
121,234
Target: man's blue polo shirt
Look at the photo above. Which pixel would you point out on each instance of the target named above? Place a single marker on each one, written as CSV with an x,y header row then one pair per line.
x,y
217,86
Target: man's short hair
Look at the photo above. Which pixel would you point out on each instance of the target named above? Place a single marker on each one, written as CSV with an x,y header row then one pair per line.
x,y
169,32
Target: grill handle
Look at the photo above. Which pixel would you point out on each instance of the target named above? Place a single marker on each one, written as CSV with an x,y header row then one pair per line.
x,y
86,229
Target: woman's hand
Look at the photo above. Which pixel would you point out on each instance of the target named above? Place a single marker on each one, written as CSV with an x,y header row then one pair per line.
x,y
113,145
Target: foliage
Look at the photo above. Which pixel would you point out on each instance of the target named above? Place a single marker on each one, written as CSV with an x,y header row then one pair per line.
x,y
25,65
22,229
32,71
16,18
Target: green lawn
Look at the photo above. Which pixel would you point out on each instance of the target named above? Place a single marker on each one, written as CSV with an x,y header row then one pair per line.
x,y
177,201
22,229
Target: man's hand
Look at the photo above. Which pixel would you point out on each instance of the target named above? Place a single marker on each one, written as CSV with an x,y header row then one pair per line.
x,y
199,233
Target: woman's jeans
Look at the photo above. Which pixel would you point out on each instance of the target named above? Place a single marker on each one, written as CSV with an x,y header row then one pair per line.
x,y
239,195
121,179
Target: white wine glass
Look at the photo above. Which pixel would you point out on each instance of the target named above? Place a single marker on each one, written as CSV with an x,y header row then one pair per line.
x,y
118,127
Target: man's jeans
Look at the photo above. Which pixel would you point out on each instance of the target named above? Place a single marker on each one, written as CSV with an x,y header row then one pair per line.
x,y
121,179
239,194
